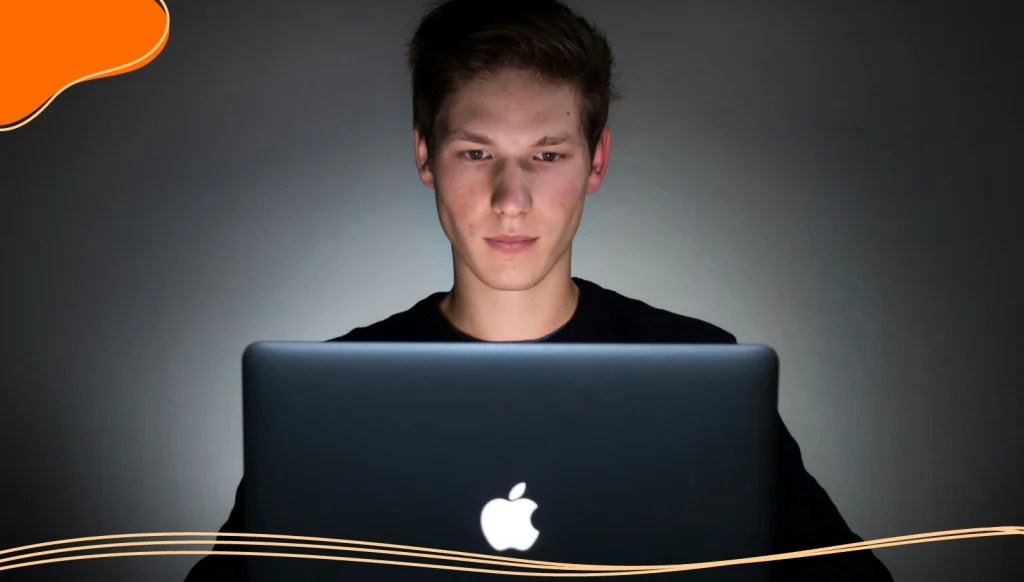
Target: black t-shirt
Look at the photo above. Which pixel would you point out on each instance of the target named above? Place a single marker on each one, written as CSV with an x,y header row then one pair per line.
x,y
806,517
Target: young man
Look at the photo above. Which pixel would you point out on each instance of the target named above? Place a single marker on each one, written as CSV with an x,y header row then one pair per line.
x,y
510,101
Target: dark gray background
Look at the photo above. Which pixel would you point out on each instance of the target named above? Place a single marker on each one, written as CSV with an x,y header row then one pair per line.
x,y
836,179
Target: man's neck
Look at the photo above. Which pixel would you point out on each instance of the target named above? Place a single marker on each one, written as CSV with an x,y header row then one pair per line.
x,y
506,316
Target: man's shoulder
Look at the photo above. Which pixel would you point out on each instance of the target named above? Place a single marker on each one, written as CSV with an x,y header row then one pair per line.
x,y
414,324
626,319
642,321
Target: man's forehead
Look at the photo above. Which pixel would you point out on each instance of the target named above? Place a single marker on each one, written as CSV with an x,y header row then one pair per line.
x,y
476,118
513,92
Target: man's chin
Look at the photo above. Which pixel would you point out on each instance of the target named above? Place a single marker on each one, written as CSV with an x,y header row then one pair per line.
x,y
512,281
503,285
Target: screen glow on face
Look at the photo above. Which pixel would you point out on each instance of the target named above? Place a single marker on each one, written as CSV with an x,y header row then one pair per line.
x,y
510,171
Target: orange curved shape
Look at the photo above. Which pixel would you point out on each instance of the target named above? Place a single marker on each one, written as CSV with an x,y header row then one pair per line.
x,y
46,46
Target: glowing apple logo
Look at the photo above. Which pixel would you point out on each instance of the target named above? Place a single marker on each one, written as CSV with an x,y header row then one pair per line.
x,y
506,522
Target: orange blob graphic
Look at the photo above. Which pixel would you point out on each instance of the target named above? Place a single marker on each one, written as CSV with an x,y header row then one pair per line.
x,y
46,46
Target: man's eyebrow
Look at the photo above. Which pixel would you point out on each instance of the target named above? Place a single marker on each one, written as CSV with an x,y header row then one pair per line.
x,y
462,135
549,140
553,140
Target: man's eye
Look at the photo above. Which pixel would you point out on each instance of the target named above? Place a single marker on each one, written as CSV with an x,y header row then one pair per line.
x,y
475,155
550,156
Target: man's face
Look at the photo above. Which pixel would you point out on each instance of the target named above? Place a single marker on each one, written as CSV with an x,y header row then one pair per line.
x,y
511,164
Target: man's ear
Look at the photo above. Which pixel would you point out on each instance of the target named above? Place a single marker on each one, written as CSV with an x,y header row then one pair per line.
x,y
599,164
423,160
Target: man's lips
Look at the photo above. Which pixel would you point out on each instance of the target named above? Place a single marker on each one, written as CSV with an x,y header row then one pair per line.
x,y
510,243
510,238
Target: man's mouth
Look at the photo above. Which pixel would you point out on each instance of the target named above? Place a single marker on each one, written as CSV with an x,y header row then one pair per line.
x,y
511,243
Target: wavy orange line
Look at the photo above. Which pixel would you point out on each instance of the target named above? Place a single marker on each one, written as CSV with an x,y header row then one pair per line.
x,y
580,570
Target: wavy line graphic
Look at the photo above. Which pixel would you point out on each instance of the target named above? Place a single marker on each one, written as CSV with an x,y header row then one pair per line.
x,y
17,556
54,40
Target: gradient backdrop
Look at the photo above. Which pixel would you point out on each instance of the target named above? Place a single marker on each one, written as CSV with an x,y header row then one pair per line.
x,y
839,180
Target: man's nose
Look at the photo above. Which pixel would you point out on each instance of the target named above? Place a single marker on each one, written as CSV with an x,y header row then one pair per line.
x,y
511,195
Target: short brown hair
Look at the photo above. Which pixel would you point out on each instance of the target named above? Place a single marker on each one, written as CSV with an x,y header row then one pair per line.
x,y
460,40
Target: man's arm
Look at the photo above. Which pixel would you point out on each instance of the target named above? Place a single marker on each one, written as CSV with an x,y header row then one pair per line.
x,y
807,519
225,568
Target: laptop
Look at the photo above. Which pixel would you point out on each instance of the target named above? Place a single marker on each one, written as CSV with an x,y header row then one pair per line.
x,y
452,461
